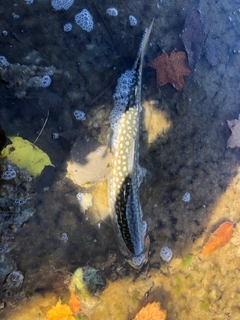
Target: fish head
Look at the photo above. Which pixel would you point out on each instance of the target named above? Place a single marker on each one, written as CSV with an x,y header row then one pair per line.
x,y
139,260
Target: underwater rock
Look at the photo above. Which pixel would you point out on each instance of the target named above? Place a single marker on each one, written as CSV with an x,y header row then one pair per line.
x,y
15,185
7,265
22,77
193,36
13,283
89,161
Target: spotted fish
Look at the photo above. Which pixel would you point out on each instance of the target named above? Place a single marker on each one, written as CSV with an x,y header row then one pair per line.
x,y
126,176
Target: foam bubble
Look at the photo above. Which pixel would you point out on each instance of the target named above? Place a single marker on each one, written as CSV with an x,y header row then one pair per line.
x,y
3,61
9,174
62,4
64,237
20,202
67,27
55,135
84,20
45,81
133,21
186,197
112,12
79,115
166,253
121,98
138,260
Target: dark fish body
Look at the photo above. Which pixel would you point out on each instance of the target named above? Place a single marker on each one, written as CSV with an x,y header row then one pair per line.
x,y
193,36
125,180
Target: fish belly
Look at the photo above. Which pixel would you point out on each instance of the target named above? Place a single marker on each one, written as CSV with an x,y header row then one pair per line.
x,y
125,205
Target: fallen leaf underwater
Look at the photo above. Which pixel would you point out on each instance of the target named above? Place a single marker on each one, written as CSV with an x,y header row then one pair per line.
x,y
219,238
26,155
171,69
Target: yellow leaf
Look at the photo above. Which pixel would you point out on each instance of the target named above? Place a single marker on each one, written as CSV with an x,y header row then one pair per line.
x,y
26,155
60,312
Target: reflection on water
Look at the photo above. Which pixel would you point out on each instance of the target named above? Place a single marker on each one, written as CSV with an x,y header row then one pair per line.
x,y
46,238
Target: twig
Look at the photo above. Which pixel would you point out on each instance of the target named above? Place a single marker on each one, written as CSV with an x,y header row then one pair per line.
x,y
45,122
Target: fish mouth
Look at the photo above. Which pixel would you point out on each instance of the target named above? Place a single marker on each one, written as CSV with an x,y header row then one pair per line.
x,y
138,261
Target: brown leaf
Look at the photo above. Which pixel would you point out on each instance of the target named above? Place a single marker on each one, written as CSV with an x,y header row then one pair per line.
x,y
171,69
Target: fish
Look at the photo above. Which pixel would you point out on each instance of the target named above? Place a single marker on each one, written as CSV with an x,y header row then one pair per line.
x,y
126,176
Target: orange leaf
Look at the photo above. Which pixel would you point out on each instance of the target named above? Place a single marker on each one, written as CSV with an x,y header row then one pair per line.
x,y
59,312
152,311
219,238
74,303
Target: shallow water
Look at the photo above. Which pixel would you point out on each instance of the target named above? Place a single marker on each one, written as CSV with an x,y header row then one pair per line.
x,y
183,147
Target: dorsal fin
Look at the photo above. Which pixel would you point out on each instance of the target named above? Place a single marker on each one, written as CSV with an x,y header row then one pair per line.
x,y
142,48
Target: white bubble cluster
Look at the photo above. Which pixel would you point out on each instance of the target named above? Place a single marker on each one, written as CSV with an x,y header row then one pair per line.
x,y
84,20
79,115
15,279
64,237
55,135
112,12
9,174
3,61
62,4
120,98
20,202
186,197
67,27
15,16
46,81
79,196
29,1
138,260
166,253
85,200
133,21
